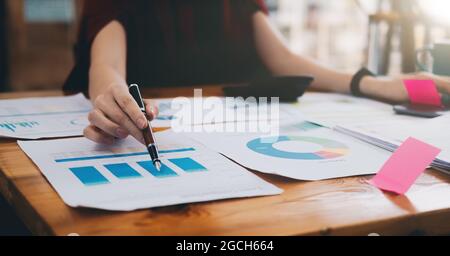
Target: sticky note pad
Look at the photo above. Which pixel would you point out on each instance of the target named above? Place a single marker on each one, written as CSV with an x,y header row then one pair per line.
x,y
423,92
404,167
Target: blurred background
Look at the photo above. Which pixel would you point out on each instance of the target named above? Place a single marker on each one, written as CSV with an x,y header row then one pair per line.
x,y
37,36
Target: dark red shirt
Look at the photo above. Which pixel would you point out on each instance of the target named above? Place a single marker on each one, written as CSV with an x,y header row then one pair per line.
x,y
175,42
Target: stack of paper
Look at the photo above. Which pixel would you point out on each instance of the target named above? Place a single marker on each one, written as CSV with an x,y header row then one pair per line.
x,y
392,135
376,123
324,136
48,117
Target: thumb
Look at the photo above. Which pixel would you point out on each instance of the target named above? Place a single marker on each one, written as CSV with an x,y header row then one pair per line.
x,y
151,109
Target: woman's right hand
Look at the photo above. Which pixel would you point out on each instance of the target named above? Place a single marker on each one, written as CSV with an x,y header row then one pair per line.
x,y
116,115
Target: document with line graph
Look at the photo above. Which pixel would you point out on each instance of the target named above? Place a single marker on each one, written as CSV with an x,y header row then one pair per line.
x,y
122,177
46,117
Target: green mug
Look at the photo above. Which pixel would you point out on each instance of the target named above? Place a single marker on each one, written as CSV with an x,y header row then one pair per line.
x,y
440,53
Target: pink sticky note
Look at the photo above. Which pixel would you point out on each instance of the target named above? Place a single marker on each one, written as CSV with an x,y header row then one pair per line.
x,y
423,92
408,162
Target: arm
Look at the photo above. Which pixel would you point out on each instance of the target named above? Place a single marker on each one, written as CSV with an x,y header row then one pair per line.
x,y
108,58
115,113
281,61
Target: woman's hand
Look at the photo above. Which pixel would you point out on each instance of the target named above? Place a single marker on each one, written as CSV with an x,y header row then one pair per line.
x,y
393,89
116,115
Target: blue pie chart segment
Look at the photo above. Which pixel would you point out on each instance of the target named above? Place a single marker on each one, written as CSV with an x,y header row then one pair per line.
x,y
330,149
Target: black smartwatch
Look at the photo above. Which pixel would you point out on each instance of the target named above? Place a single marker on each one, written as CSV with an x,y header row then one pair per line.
x,y
355,87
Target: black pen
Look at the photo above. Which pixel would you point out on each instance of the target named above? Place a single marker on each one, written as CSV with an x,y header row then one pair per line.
x,y
149,139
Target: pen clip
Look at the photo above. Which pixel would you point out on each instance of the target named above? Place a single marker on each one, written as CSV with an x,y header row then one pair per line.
x,y
136,94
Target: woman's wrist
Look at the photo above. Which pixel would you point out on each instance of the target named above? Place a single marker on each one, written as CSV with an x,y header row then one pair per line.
x,y
370,86
98,89
102,78
384,88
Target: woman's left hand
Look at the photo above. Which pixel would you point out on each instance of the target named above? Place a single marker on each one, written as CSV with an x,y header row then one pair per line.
x,y
393,89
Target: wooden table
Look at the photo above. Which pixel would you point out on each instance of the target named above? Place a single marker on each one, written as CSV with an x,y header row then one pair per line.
x,y
334,207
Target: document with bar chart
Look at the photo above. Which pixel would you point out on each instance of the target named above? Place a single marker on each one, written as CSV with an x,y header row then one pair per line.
x,y
122,177
49,117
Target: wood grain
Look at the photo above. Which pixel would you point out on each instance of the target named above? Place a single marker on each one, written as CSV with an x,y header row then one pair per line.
x,y
334,207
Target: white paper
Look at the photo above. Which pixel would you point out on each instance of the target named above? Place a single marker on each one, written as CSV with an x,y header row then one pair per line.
x,y
223,179
376,123
392,134
210,110
436,132
336,109
300,151
47,117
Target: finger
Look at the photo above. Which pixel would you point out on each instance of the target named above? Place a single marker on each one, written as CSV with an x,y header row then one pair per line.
x,y
443,85
99,120
442,82
113,112
151,109
130,107
93,133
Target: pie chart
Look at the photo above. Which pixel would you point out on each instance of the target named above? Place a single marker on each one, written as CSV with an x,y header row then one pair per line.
x,y
327,149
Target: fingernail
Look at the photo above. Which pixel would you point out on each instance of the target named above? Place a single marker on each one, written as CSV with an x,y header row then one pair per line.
x,y
142,123
121,133
151,111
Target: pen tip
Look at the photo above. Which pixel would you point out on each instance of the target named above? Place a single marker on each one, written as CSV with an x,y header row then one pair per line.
x,y
157,165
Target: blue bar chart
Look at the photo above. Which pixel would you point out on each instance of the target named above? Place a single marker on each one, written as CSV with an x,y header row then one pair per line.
x,y
122,177
13,126
90,175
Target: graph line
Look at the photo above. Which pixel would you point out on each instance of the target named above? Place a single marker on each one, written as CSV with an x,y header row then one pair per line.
x,y
76,159
47,113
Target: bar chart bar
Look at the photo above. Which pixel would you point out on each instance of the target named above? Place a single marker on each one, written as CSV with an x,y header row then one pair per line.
x,y
123,171
8,127
163,173
188,164
89,175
